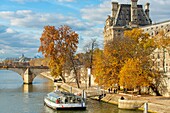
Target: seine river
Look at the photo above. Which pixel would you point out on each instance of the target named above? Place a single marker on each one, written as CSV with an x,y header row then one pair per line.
x,y
18,98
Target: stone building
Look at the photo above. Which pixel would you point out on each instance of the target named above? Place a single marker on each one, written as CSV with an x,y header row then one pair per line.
x,y
129,16
125,16
162,56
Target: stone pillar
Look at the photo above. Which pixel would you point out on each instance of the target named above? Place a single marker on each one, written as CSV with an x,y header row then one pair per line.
x,y
134,11
28,78
147,9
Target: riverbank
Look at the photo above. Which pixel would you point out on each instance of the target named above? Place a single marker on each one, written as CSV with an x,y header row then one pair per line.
x,y
156,104
47,75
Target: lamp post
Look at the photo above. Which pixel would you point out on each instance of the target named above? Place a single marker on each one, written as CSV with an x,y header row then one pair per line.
x,y
89,75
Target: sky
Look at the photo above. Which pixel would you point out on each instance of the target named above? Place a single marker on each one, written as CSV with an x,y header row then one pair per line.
x,y
22,21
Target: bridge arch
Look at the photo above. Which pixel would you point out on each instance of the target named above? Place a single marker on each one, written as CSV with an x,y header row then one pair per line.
x,y
27,73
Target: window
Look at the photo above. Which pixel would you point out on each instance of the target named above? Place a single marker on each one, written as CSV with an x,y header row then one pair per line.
x,y
158,56
166,69
153,57
153,63
158,63
156,32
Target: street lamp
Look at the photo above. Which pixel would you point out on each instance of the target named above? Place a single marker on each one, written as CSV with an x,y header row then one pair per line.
x,y
89,75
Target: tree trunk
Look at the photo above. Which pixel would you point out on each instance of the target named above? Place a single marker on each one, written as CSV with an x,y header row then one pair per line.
x,y
155,89
75,71
139,90
77,80
63,78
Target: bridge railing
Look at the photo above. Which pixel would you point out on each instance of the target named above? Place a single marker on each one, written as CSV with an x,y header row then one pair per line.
x,y
22,66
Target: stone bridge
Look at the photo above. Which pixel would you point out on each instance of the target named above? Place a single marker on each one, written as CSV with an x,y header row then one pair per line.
x,y
28,73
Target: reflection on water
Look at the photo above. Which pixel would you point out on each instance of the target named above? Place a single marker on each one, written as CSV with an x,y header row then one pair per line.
x,y
94,107
27,88
16,97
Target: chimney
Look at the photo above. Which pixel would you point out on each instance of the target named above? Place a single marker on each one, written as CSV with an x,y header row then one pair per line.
x,y
114,9
147,9
134,11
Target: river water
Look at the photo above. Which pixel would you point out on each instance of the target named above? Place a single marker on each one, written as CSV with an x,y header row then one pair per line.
x,y
15,97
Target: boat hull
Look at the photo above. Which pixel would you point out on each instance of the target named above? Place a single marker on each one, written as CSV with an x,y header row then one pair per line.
x,y
75,106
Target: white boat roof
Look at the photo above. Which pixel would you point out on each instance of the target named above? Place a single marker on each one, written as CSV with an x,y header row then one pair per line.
x,y
58,94
55,95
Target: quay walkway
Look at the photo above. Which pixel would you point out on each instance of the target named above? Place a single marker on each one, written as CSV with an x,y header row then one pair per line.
x,y
156,104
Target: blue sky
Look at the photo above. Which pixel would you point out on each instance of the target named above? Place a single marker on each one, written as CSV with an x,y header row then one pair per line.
x,y
22,21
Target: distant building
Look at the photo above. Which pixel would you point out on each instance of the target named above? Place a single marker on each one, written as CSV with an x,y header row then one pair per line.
x,y
22,58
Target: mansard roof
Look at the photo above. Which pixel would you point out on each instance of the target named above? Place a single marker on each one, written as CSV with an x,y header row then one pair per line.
x,y
123,16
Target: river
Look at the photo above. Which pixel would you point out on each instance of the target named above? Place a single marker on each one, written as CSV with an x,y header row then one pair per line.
x,y
16,97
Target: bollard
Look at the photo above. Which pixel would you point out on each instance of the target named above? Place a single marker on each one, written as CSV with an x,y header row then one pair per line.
x,y
145,107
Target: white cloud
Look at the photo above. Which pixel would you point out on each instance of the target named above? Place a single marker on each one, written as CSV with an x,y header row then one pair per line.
x,y
25,1
29,19
14,43
65,0
2,51
97,14
9,30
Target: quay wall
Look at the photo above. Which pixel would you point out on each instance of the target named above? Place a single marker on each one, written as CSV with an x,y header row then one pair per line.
x,y
47,75
62,85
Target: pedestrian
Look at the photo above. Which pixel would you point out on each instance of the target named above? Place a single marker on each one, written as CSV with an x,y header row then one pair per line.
x,y
122,98
109,90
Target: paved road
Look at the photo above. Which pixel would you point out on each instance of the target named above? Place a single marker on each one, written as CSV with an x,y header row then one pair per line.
x,y
158,104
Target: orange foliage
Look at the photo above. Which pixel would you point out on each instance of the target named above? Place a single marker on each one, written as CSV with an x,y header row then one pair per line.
x,y
125,60
57,45
162,40
132,74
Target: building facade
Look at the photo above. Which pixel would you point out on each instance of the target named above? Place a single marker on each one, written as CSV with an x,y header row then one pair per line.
x,y
125,16
129,16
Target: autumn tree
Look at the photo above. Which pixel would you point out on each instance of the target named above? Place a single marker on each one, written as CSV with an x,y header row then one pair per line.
x,y
59,45
152,76
99,67
108,65
134,75
140,63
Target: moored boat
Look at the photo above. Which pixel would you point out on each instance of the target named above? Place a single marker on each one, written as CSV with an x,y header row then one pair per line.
x,y
64,100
